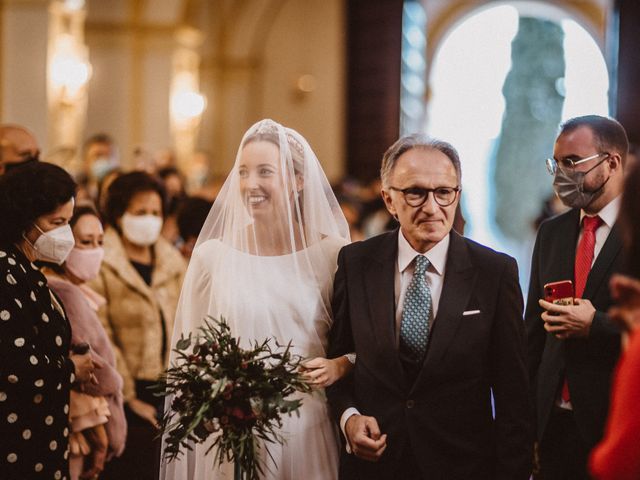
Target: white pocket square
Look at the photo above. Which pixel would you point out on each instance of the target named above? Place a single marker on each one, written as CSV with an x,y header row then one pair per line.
x,y
470,312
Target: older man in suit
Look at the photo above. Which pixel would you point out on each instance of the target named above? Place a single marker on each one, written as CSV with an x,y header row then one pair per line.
x,y
436,323
573,348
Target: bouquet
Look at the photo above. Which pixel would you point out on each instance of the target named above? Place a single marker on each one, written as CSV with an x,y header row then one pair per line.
x,y
240,395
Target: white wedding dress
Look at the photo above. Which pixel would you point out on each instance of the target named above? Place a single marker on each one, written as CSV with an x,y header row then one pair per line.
x,y
274,303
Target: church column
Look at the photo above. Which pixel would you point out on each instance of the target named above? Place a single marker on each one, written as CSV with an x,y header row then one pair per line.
x,y
68,73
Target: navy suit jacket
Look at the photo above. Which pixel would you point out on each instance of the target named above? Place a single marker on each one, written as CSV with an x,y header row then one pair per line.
x,y
445,416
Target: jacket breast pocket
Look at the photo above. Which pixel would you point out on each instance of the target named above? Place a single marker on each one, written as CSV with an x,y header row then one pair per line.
x,y
468,345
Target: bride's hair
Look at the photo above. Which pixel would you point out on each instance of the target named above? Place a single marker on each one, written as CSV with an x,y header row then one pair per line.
x,y
269,133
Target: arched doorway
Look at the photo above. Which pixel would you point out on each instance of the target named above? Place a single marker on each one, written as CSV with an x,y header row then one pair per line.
x,y
501,81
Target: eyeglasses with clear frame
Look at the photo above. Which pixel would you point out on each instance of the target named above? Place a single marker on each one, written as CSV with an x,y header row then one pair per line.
x,y
416,196
568,165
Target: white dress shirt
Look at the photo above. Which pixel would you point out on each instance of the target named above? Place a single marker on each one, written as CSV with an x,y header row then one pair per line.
x,y
405,265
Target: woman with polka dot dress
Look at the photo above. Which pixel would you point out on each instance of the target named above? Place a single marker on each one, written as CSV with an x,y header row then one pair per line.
x,y
36,368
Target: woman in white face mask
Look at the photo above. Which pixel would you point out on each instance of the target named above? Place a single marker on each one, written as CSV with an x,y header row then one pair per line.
x,y
98,426
140,277
36,368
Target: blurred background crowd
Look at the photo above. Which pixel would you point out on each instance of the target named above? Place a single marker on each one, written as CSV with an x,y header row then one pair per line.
x,y
124,117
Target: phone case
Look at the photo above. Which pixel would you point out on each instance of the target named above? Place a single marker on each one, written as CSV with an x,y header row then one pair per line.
x,y
560,293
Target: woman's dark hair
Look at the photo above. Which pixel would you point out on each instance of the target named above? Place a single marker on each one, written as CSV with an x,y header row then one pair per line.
x,y
27,193
165,172
102,191
191,215
83,209
629,219
172,201
123,189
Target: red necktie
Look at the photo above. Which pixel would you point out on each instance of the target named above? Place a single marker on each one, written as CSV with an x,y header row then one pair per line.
x,y
584,259
584,253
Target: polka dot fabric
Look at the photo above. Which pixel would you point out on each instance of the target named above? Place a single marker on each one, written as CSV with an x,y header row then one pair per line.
x,y
416,313
35,374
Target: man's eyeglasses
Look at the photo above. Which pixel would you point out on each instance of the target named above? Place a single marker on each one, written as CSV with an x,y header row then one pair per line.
x,y
568,165
416,196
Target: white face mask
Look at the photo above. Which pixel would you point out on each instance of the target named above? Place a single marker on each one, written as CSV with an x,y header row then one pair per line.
x,y
54,245
142,230
84,263
101,166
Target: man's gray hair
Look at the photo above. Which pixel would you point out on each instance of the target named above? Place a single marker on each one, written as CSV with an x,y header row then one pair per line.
x,y
417,140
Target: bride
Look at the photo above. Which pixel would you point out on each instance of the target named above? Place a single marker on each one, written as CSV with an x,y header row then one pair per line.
x,y
265,261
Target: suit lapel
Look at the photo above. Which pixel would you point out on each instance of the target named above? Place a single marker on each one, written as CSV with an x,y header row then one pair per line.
x,y
379,275
567,234
610,250
563,250
458,285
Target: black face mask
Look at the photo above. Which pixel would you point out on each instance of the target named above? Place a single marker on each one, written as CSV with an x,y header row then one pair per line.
x,y
29,158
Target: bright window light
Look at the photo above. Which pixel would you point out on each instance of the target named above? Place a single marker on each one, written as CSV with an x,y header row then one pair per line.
x,y
467,105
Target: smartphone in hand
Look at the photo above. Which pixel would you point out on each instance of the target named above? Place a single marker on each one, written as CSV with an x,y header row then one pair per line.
x,y
560,293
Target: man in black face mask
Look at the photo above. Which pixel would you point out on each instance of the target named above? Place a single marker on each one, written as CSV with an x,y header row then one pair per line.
x,y
17,146
573,348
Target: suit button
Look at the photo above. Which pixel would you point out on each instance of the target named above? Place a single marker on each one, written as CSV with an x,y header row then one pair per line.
x,y
410,403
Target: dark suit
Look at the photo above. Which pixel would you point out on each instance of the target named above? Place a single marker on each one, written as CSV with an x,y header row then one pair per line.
x,y
443,421
587,363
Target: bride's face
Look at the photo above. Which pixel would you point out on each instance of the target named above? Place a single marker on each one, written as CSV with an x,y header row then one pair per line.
x,y
261,180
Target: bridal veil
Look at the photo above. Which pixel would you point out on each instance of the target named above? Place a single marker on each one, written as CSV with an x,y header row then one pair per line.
x,y
265,261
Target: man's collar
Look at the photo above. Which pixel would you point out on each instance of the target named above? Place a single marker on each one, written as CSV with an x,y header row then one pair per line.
x,y
609,213
437,255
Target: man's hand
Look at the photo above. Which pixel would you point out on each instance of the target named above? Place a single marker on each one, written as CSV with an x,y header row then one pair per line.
x,y
364,437
568,321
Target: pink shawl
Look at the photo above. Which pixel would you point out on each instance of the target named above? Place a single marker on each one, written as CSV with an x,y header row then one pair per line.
x,y
86,327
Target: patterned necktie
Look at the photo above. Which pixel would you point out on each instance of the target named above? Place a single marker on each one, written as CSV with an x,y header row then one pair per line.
x,y
416,313
582,267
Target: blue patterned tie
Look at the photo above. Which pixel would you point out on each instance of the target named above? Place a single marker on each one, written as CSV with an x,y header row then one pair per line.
x,y
416,313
